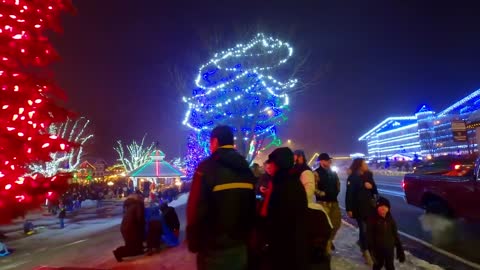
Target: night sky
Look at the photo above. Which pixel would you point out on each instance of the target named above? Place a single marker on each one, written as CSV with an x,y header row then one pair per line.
x,y
369,59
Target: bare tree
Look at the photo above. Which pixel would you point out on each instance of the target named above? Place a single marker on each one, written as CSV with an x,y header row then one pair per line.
x,y
138,154
76,131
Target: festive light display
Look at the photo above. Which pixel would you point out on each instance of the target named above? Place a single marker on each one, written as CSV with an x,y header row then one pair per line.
x,y
456,105
29,104
138,154
195,152
425,133
75,131
237,87
385,123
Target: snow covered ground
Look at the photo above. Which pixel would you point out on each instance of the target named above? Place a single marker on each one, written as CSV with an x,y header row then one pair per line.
x,y
347,257
88,241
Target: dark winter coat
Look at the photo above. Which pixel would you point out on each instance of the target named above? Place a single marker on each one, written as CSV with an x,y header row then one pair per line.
x,y
221,206
382,235
358,199
287,222
329,183
319,231
63,213
133,222
171,218
154,230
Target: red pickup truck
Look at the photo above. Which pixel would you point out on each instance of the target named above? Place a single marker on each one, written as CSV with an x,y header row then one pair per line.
x,y
449,187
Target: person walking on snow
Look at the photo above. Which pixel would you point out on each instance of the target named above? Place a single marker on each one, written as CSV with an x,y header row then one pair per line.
x,y
328,188
221,206
360,201
382,236
62,215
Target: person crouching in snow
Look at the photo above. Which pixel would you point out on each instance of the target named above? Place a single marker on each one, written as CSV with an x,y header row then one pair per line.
x,y
4,250
154,231
382,237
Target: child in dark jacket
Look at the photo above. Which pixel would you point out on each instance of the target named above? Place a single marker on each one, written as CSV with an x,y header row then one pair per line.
x,y
382,236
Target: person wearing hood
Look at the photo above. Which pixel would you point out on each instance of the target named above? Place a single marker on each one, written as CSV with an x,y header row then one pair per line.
x,y
132,228
287,214
319,226
221,206
382,235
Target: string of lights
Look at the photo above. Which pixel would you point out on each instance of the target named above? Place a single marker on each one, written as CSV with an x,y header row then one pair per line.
x,y
238,87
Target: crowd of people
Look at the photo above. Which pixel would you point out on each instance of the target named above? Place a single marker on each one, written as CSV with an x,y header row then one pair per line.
x,y
286,218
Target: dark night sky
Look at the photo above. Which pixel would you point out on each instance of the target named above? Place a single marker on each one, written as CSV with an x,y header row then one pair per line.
x,y
375,58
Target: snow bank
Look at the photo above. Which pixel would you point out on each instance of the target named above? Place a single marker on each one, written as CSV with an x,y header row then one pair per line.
x,y
181,200
348,257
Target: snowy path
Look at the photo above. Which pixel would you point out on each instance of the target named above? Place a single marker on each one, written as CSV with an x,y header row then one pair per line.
x,y
88,243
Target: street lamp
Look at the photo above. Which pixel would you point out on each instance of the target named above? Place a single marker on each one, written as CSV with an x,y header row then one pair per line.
x,y
289,141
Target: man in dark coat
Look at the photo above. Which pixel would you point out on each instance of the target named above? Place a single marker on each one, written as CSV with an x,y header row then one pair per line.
x,y
382,235
287,214
132,228
328,188
221,206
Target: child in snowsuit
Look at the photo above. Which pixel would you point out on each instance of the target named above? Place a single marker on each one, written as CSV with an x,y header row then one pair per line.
x,y
382,237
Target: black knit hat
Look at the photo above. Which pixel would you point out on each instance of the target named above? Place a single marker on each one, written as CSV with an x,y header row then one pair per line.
x,y
224,135
382,201
282,157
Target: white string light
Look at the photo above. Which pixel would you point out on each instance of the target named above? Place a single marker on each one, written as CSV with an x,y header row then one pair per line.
x,y
260,46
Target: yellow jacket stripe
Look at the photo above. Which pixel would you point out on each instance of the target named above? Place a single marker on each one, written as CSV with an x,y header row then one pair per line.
x,y
232,186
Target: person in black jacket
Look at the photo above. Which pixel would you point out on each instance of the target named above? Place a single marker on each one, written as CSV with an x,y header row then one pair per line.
x,y
171,218
221,206
328,188
383,237
132,228
62,215
287,214
360,200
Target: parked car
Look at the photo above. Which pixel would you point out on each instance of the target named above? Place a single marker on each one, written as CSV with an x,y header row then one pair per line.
x,y
447,186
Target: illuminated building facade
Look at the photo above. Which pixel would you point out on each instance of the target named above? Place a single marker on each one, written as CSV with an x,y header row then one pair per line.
x,y
425,133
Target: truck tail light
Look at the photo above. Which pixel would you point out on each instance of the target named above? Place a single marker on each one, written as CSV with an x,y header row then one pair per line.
x,y
457,167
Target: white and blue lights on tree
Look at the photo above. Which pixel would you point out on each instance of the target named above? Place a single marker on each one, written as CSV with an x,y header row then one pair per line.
x,y
237,87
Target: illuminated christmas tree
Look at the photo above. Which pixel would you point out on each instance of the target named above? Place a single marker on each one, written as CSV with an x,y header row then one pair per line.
x,y
237,87
29,104
196,152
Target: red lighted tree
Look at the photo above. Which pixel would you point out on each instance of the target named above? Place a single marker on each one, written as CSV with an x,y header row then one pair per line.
x,y
29,103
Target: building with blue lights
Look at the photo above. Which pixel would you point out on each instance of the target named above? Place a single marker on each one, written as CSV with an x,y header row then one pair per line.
x,y
426,133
